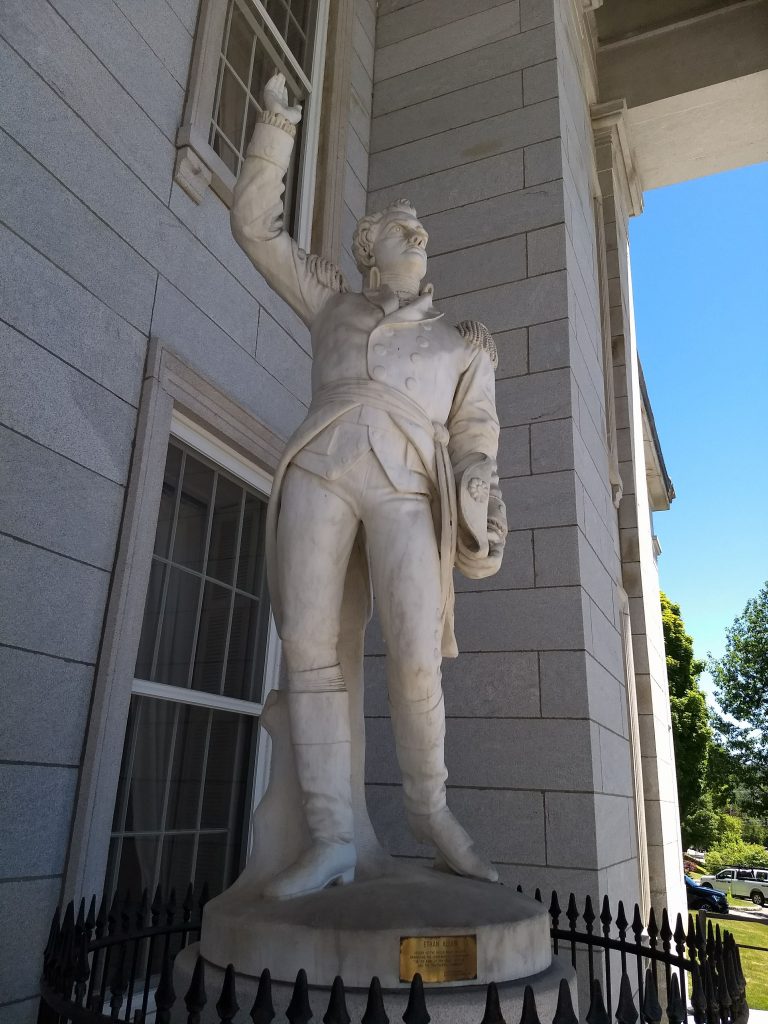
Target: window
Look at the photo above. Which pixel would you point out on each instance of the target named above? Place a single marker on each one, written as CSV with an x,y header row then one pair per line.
x,y
191,766
240,44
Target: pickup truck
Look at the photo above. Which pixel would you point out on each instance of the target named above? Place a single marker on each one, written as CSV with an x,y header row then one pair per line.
x,y
749,883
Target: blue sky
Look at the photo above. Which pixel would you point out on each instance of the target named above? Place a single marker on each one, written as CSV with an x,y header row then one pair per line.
x,y
700,273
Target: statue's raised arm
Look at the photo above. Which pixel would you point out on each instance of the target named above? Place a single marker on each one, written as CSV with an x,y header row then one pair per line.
x,y
304,281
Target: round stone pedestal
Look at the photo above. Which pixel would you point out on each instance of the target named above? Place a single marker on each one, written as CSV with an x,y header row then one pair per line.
x,y
445,1005
356,931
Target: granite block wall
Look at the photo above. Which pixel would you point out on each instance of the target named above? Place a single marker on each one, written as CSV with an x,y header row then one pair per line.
x,y
480,118
99,249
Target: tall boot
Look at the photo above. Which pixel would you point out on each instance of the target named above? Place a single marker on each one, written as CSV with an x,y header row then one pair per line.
x,y
320,729
420,741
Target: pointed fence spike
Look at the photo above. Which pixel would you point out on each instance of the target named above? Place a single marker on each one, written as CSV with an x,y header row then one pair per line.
x,y
637,925
90,917
589,913
652,1011
554,908
653,928
530,1014
337,1012
493,1014
679,932
262,1011
227,1004
196,996
676,1009
537,895
165,995
53,934
621,920
520,889
564,1013
416,1010
80,922
666,931
597,1013
605,915
374,1008
299,1011
626,1011
572,912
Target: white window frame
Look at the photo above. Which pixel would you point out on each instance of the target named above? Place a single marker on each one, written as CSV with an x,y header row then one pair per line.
x,y
194,131
200,440
172,391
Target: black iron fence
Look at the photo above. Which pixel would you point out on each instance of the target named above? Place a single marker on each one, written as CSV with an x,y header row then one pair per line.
x,y
115,964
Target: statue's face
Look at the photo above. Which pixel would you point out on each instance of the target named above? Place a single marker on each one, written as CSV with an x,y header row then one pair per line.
x,y
400,246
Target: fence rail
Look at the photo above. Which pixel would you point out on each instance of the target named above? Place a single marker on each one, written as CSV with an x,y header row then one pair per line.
x,y
116,965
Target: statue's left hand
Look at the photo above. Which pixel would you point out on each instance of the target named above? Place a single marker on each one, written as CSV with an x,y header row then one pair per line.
x,y
477,567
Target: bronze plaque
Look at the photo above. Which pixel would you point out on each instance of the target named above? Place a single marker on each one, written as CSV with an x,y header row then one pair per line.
x,y
438,957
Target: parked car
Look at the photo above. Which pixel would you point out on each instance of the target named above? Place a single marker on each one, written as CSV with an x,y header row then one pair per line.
x,y
702,897
744,882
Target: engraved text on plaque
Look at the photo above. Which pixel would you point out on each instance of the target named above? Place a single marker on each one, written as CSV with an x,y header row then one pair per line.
x,y
438,957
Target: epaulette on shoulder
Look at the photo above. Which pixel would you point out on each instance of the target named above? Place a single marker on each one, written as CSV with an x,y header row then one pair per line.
x,y
478,334
327,273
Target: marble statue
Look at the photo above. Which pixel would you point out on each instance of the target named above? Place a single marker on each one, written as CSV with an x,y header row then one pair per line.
x,y
391,479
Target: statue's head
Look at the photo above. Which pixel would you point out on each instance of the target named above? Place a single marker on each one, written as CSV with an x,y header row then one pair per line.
x,y
394,241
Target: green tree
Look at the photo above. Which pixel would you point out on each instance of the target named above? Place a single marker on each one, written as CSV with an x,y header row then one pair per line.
x,y
691,733
741,688
700,827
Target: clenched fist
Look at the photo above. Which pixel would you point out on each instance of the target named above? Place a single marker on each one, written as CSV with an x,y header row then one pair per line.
x,y
276,99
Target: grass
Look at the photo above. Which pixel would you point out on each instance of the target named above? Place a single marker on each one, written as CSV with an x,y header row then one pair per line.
x,y
754,962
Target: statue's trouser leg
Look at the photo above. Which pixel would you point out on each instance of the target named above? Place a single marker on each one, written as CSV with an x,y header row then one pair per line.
x,y
316,530
405,567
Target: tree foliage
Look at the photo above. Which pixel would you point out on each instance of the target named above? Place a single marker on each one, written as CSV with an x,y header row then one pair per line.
x,y
741,688
691,732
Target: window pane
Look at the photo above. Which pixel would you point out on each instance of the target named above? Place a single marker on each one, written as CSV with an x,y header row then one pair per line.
x,y
151,620
188,768
231,109
125,767
226,518
168,501
251,563
223,149
216,855
178,629
212,638
192,524
231,751
240,44
176,864
244,648
151,762
136,870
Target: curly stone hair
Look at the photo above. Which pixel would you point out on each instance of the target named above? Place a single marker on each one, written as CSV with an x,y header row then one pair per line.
x,y
367,229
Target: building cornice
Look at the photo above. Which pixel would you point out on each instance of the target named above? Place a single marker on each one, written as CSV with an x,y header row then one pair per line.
x,y
610,127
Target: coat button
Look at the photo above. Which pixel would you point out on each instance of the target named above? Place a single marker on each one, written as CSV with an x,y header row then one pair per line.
x,y
423,343
379,349
411,383
378,373
415,357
